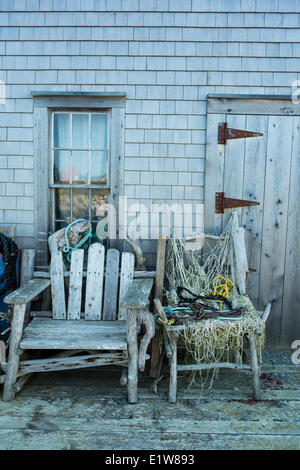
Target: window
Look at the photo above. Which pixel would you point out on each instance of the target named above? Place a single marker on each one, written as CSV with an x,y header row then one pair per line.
x,y
78,158
80,165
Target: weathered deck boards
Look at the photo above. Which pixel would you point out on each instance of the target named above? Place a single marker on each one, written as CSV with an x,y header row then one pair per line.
x,y
84,410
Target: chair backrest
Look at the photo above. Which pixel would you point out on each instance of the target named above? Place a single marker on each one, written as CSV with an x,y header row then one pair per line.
x,y
105,286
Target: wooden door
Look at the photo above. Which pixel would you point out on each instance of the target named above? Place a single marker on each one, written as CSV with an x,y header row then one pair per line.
x,y
264,169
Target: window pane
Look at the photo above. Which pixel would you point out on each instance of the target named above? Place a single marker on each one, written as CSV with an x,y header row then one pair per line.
x,y
61,130
80,166
98,167
99,131
80,131
80,201
62,166
63,204
98,199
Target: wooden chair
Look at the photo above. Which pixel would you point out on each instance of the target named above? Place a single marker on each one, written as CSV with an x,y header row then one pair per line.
x,y
171,337
171,340
105,333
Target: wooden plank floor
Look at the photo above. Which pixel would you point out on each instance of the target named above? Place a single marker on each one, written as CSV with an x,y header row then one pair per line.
x,y
87,409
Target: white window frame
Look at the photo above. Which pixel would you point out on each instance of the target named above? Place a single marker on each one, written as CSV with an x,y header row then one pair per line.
x,y
44,104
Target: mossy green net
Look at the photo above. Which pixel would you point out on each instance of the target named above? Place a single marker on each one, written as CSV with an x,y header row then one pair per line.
x,y
211,340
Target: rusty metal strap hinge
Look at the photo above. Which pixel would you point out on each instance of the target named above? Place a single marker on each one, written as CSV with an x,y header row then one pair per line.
x,y
223,203
225,133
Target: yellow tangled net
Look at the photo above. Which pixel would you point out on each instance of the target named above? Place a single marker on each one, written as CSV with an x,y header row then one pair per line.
x,y
211,340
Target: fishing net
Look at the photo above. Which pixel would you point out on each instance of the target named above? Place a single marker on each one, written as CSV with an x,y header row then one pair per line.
x,y
211,340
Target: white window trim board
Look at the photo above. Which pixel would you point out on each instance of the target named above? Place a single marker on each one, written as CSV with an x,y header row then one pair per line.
x,y
43,105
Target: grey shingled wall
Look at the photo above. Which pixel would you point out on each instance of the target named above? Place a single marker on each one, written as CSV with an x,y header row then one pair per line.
x,y
167,55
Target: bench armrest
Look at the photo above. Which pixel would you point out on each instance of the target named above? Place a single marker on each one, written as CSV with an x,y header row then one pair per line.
x,y
137,296
28,292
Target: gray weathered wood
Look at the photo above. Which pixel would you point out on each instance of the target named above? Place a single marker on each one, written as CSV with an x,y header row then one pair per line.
x,y
73,335
75,286
255,369
266,312
269,174
111,285
214,365
290,318
136,274
78,362
173,368
94,282
275,219
2,353
57,241
28,256
159,309
13,361
246,105
43,333
126,278
234,166
27,268
21,382
41,180
253,189
160,267
28,292
137,296
58,286
8,230
241,263
145,318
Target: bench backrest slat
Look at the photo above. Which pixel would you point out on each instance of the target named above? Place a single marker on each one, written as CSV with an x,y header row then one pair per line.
x,y
111,285
94,282
57,286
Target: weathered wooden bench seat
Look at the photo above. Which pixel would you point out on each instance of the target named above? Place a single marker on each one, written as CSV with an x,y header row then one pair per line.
x,y
97,318
46,333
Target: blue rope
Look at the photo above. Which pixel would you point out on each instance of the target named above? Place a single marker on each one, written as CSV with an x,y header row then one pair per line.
x,y
68,249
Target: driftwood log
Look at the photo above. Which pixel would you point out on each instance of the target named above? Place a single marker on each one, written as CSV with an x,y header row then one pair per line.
x,y
146,318
139,256
57,241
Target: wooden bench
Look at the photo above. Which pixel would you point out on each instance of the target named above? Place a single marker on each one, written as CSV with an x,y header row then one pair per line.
x,y
104,332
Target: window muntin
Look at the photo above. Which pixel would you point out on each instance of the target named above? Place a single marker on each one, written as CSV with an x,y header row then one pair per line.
x,y
79,166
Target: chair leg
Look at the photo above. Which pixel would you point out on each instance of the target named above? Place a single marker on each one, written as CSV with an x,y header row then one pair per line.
x,y
173,368
14,357
255,369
